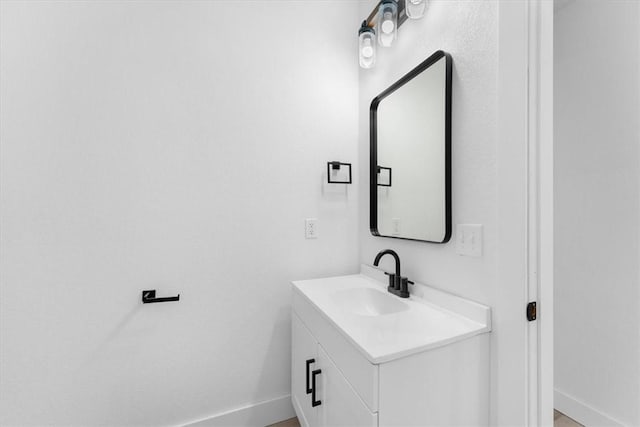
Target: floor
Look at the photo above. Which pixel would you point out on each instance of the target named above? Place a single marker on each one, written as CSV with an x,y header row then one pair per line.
x,y
292,422
559,420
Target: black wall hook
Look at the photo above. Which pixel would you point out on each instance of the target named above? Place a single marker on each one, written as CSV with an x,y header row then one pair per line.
x,y
149,296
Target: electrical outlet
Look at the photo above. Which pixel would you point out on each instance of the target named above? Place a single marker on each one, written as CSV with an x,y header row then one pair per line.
x,y
311,228
469,239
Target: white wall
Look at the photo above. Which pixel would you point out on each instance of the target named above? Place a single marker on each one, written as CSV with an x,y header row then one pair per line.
x,y
487,180
597,197
176,146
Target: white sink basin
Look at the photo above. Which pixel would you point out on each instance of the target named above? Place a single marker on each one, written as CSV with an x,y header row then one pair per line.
x,y
385,327
368,302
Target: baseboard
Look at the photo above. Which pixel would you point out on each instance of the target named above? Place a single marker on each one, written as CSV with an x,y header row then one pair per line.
x,y
581,412
255,415
299,413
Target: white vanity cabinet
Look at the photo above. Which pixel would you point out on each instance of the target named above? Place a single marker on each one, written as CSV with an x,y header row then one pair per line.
x,y
304,359
336,401
367,375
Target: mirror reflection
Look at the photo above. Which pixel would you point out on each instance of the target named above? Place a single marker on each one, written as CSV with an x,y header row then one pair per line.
x,y
411,154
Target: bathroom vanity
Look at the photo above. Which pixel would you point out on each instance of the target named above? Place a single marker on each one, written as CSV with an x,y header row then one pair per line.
x,y
364,357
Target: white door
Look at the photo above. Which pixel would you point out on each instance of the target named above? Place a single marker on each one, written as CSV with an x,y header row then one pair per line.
x,y
303,361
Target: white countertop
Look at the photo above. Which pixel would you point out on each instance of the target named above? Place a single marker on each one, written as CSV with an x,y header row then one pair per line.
x,y
412,325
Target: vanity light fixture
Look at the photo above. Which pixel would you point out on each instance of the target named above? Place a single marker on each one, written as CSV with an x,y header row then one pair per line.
x,y
367,45
415,8
387,22
382,24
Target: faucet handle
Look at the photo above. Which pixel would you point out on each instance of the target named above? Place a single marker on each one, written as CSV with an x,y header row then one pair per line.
x,y
404,287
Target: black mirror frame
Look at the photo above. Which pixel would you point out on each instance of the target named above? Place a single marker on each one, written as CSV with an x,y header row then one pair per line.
x,y
373,146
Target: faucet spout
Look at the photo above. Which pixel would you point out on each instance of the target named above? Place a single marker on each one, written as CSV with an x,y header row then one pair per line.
x,y
395,256
398,285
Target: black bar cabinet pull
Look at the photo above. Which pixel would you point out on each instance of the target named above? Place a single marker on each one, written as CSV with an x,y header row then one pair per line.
x,y
309,362
314,402
149,296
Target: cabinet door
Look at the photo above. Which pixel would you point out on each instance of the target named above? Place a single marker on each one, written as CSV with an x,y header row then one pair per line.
x,y
340,404
303,361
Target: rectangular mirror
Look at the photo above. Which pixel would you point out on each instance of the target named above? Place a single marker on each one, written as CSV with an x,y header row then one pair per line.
x,y
410,178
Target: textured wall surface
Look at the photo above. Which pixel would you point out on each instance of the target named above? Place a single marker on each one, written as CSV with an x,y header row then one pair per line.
x,y
469,31
176,146
597,207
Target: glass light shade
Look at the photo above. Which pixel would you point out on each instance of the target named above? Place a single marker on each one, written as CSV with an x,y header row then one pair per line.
x,y
415,8
387,22
367,48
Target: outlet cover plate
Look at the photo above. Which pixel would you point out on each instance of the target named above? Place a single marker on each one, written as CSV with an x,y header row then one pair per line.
x,y
311,228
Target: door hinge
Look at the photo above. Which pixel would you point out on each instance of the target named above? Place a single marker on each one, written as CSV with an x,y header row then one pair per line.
x,y
532,311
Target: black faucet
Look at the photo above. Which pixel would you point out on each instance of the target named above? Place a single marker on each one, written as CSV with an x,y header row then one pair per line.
x,y
398,285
